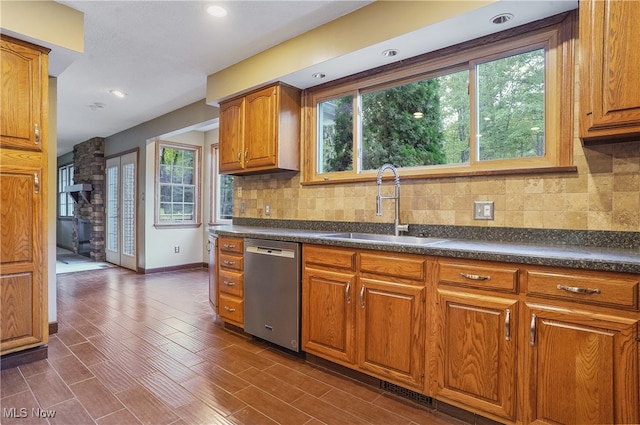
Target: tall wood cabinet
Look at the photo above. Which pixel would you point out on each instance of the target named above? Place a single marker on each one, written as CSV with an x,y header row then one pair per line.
x,y
610,93
23,194
260,131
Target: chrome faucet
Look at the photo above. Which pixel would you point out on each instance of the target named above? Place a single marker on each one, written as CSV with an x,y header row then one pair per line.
x,y
396,223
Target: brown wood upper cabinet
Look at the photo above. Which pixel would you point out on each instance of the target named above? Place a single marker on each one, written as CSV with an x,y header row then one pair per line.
x,y
609,63
260,131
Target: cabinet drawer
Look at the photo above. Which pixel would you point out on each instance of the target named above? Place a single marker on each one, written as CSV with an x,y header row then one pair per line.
x,y
231,262
329,257
231,245
481,275
402,266
232,309
232,283
585,287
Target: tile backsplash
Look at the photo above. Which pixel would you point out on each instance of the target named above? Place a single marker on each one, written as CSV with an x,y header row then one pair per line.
x,y
604,194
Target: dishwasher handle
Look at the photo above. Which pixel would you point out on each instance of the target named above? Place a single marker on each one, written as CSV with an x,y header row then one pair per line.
x,y
276,252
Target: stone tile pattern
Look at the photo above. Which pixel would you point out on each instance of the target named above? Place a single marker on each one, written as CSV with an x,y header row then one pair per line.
x,y
604,195
89,167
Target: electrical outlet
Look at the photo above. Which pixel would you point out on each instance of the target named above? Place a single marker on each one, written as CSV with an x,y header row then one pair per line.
x,y
267,209
483,210
176,249
239,191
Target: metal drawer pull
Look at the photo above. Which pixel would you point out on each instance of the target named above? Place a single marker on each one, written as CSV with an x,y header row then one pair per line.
x,y
227,283
362,296
37,134
577,290
347,292
229,263
229,246
475,276
229,309
532,331
36,183
507,326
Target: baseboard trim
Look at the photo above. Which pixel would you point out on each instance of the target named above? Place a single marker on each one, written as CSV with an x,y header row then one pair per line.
x,y
23,357
142,270
53,328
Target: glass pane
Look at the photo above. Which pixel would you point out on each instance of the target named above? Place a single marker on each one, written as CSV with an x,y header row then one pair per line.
x,y
165,174
511,107
176,176
412,125
112,209
335,135
165,212
178,194
128,209
225,197
165,193
187,176
188,193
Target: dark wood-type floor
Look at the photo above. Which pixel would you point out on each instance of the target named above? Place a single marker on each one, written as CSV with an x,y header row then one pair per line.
x,y
145,349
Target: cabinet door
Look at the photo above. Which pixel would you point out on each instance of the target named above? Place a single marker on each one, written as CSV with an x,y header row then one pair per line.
x,y
21,120
582,367
391,331
261,128
611,108
476,351
22,293
232,135
328,315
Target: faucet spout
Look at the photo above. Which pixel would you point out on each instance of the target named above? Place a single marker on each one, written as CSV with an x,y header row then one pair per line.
x,y
396,176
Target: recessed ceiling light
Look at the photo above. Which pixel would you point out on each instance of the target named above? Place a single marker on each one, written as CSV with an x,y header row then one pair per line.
x,y
502,18
318,75
418,115
217,11
390,52
118,93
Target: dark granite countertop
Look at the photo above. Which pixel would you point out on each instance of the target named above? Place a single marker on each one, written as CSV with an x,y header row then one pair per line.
x,y
588,257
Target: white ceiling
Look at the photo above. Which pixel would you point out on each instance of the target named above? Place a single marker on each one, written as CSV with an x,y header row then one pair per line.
x,y
161,52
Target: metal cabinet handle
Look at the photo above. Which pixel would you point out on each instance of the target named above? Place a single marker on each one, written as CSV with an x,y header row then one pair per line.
x,y
229,246
577,290
208,246
239,156
507,325
246,155
347,292
229,263
227,283
532,331
37,134
36,183
229,309
475,276
362,296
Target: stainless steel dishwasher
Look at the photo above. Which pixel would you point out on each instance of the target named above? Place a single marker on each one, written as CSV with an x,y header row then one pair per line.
x,y
272,291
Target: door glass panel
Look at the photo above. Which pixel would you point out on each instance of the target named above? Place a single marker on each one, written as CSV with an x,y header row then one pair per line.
x,y
112,209
128,209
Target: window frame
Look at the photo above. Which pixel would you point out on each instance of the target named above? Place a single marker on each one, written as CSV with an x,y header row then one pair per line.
x,y
555,33
196,222
214,184
62,185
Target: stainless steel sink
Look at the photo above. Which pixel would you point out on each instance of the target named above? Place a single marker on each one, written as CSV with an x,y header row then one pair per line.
x,y
374,237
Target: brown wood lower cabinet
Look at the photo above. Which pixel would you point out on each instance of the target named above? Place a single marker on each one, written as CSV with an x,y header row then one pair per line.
x,y
230,281
365,310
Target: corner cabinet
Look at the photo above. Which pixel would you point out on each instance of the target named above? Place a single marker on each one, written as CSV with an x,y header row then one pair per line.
x,y
581,352
610,94
260,131
23,194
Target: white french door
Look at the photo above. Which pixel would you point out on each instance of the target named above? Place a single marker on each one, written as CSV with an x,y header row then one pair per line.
x,y
121,181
